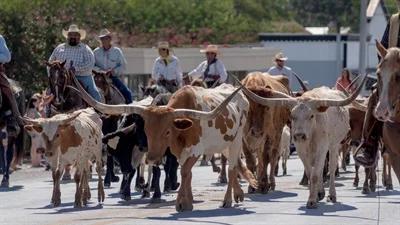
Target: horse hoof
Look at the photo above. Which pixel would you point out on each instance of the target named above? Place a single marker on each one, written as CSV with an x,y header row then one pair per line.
x,y
366,191
251,190
226,204
222,179
389,187
321,195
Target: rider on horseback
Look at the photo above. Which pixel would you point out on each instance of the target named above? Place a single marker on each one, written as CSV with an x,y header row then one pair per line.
x,y
212,71
110,60
80,55
166,68
7,117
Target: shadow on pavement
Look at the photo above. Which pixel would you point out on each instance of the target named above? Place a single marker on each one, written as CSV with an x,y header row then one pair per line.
x,y
381,193
13,188
270,196
219,212
70,209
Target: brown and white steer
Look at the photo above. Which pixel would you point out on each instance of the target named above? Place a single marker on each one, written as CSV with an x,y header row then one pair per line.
x,y
318,124
263,130
70,139
195,121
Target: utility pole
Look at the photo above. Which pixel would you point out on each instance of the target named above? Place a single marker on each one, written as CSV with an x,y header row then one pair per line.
x,y
363,37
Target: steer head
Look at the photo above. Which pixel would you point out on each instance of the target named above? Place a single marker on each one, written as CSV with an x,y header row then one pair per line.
x,y
50,134
388,73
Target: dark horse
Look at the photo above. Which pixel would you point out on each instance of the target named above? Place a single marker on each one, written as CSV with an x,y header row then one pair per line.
x,y
65,99
8,119
112,96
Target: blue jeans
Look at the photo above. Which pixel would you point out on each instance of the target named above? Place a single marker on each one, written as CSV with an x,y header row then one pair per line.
x,y
90,86
122,88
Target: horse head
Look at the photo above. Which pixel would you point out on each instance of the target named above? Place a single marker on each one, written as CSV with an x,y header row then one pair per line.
x,y
59,78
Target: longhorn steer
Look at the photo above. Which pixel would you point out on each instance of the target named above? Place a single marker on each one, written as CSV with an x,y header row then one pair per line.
x,y
70,139
263,130
317,126
189,131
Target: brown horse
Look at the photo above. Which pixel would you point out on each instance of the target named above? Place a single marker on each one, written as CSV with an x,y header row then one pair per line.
x,y
110,93
65,99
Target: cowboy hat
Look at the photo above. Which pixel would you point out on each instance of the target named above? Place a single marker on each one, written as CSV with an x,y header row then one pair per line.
x,y
74,28
280,56
210,48
163,44
104,33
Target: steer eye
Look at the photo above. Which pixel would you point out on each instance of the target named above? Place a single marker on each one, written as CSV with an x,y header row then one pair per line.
x,y
312,116
167,133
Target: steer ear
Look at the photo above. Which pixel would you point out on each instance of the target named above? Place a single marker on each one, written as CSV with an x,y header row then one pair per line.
x,y
183,124
382,51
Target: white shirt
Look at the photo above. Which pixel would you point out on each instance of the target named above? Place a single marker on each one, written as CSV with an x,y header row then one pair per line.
x,y
81,55
216,68
112,58
172,71
286,71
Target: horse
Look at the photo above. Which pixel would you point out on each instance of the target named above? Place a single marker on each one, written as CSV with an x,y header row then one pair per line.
x,y
65,99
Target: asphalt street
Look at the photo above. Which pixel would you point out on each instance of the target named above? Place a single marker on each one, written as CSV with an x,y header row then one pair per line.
x,y
28,202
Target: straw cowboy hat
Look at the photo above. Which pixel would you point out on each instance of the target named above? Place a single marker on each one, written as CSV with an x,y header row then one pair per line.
x,y
210,48
280,56
163,44
74,28
104,33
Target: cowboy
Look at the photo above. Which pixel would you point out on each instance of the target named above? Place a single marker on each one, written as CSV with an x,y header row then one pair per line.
x,y
280,68
212,70
9,116
110,60
79,58
167,70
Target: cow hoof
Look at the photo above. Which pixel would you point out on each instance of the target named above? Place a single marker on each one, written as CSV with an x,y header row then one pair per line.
x,y
263,189
366,190
303,182
226,204
321,195
175,186
239,197
182,206
331,198
251,190
311,205
272,187
355,184
284,173
145,194
203,163
155,200
5,183
216,169
115,179
107,185
372,188
56,203
125,197
222,179
78,205
389,187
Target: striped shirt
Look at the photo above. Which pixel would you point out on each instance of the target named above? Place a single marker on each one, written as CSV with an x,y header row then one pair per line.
x,y
81,56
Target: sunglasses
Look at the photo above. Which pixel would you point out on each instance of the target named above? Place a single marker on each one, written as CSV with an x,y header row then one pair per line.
x,y
163,49
210,53
278,60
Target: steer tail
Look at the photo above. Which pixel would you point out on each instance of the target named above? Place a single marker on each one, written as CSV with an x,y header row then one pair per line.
x,y
247,174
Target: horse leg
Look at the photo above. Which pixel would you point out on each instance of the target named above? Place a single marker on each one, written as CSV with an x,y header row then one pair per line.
x,y
156,183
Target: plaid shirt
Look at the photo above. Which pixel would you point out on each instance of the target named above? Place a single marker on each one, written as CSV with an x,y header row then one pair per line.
x,y
81,56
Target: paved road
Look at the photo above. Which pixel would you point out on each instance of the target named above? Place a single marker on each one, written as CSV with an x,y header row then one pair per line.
x,y
28,203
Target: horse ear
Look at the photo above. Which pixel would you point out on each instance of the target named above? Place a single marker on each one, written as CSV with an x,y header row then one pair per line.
x,y
45,62
142,88
382,51
95,72
63,63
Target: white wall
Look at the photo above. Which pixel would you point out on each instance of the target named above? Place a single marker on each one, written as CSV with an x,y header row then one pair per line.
x,y
140,60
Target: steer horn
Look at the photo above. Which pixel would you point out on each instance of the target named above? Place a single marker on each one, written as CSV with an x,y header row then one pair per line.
x,y
139,109
302,84
356,104
27,120
277,98
333,102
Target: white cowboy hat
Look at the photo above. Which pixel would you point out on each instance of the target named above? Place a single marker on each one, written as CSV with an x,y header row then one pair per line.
x,y
280,56
74,28
210,48
163,44
104,33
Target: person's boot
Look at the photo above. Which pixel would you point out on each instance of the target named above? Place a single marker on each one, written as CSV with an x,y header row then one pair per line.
x,y
365,155
5,183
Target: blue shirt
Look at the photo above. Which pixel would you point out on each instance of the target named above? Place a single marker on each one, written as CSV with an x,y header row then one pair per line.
x,y
5,55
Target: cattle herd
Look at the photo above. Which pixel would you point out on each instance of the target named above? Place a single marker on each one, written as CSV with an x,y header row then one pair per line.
x,y
252,125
